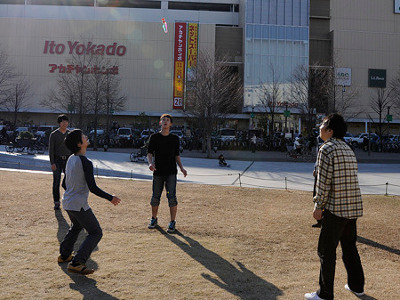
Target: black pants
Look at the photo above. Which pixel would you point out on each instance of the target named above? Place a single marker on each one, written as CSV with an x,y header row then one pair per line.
x,y
60,164
334,230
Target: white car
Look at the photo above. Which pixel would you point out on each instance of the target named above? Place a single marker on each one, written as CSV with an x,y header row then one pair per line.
x,y
359,139
348,137
146,133
178,133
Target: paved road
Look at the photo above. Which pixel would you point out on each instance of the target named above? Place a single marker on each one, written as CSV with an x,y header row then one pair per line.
x,y
274,173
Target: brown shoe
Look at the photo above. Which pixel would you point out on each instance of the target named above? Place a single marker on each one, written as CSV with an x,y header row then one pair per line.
x,y
62,260
80,269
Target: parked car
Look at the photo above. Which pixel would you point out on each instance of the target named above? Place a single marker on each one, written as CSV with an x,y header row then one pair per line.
x,y
125,136
226,134
146,134
99,136
21,129
358,140
178,133
348,137
42,129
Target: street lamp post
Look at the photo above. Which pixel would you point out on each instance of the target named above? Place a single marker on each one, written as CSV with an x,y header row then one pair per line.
x,y
286,109
388,119
343,91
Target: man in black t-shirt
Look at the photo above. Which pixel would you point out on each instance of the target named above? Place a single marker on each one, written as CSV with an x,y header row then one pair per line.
x,y
164,147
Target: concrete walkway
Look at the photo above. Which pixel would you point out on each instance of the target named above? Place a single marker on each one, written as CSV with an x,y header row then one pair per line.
x,y
257,170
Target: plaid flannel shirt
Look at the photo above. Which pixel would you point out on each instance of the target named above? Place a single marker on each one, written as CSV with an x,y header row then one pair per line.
x,y
337,188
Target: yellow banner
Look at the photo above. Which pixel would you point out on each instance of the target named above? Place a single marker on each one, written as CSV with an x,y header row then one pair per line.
x,y
179,76
193,36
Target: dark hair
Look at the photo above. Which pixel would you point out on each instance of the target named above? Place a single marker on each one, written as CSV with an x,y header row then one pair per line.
x,y
166,116
336,123
61,118
72,140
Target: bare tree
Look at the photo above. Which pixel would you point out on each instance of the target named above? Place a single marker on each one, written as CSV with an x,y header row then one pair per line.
x,y
7,75
90,85
394,87
345,103
270,93
16,99
379,104
114,100
214,93
308,94
71,93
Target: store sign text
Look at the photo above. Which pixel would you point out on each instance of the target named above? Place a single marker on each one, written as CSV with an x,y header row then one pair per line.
x,y
83,69
51,47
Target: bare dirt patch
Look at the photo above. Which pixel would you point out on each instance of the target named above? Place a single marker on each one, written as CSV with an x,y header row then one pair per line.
x,y
233,243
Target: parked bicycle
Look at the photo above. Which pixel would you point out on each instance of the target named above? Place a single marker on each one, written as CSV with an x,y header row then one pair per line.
x,y
30,146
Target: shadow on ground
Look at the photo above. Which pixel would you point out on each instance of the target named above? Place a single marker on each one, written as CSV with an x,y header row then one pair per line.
x,y
237,280
371,243
83,284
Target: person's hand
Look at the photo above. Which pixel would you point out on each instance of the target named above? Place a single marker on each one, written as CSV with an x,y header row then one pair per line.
x,y
115,200
317,214
183,172
53,167
152,167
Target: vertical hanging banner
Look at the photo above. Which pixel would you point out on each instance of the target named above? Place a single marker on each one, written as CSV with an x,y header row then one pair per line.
x,y
192,51
179,65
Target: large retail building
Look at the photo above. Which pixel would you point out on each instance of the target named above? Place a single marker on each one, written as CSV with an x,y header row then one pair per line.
x,y
359,39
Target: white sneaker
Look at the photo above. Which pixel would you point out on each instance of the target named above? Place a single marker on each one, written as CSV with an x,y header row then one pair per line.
x,y
312,296
346,286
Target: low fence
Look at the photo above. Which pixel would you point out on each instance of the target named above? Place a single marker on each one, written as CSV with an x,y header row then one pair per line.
x,y
238,179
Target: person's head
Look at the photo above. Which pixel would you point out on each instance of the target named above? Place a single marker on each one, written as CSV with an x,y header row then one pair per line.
x,y
166,121
333,125
63,121
61,118
166,116
75,139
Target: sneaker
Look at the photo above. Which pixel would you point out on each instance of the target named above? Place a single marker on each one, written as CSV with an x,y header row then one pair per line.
x,y
153,223
61,259
171,227
57,205
79,268
357,294
312,296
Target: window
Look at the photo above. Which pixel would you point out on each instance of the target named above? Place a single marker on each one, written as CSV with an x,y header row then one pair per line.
x,y
202,6
63,2
130,3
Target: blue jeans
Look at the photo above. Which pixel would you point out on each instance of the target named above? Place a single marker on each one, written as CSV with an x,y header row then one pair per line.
x,y
81,219
170,186
60,164
334,230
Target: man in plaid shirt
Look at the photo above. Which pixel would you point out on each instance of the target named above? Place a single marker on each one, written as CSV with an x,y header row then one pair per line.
x,y
338,203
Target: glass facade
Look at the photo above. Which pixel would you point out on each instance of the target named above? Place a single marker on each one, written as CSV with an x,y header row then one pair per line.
x,y
276,38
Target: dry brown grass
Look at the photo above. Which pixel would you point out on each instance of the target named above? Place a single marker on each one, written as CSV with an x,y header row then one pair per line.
x,y
233,243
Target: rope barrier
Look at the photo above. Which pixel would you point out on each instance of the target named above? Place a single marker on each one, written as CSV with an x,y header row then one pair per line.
x,y
23,166
258,178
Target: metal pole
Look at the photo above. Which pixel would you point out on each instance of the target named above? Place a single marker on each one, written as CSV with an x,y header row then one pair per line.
x,y
286,117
